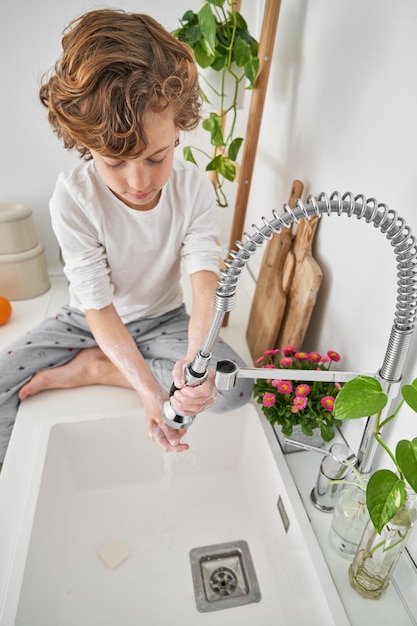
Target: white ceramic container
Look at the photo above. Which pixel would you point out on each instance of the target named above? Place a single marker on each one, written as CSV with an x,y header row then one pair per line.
x,y
17,233
24,275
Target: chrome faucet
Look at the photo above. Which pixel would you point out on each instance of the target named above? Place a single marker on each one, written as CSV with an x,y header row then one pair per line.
x,y
405,249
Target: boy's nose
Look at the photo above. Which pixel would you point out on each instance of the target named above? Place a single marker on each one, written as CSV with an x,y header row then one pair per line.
x,y
137,178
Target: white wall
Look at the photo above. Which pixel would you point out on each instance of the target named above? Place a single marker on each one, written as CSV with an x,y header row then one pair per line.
x,y
339,115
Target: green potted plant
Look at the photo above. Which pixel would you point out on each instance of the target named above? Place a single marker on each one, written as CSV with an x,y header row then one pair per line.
x,y
220,40
296,403
390,493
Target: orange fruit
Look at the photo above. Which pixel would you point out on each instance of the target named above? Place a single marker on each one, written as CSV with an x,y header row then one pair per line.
x,y
5,310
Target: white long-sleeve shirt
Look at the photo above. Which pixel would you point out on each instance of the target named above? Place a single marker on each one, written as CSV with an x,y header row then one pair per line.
x,y
115,254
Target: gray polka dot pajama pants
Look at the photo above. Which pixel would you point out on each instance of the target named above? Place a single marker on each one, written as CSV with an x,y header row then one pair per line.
x,y
162,341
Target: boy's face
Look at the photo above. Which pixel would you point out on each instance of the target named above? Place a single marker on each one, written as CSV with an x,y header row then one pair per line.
x,y
138,182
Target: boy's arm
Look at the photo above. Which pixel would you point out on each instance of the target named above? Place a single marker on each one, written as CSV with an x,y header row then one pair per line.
x,y
118,345
204,286
197,399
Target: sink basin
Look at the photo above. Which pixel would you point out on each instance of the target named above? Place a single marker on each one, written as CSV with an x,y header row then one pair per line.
x,y
89,481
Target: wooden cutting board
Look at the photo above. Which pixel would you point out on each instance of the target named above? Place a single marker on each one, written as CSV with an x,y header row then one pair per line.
x,y
275,276
304,287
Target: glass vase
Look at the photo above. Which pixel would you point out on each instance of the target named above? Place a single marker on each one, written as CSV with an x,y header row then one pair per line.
x,y
377,555
350,517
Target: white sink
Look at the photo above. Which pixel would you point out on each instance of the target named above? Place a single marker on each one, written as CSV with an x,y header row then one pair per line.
x,y
72,484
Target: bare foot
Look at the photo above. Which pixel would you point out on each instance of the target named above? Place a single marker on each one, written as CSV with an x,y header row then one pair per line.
x,y
89,367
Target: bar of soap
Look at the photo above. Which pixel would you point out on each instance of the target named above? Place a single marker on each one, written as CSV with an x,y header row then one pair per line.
x,y
113,553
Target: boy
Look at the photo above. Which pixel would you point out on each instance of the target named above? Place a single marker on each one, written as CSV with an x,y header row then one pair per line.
x,y
125,219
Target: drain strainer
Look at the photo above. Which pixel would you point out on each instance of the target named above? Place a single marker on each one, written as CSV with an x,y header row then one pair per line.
x,y
223,581
223,576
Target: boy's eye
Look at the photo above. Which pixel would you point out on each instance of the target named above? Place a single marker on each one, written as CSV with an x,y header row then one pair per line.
x,y
113,166
158,162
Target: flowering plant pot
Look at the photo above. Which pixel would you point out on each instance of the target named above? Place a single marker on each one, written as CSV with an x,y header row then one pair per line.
x,y
288,403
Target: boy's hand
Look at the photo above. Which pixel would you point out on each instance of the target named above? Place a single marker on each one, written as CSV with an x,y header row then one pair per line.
x,y
188,400
167,438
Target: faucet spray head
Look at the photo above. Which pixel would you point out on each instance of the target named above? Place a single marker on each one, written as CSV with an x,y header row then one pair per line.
x,y
172,419
195,373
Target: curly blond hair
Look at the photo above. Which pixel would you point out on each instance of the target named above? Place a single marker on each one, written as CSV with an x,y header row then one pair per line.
x,y
116,66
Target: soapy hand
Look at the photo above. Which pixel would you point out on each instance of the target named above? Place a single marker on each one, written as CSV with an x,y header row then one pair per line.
x,y
167,438
186,400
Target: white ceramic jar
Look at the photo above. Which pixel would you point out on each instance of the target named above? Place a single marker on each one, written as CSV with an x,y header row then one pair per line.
x,y
23,271
17,233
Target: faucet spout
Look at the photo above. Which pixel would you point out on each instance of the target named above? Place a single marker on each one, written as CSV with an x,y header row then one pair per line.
x,y
405,248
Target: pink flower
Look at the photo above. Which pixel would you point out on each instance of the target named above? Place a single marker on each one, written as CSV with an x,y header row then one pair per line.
x,y
300,402
327,402
270,365
302,390
315,357
275,382
259,360
269,399
284,386
338,386
294,409
289,350
286,361
271,352
334,356
301,356
325,358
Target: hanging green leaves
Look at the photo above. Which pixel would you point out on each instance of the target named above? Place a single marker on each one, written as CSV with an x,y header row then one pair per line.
x,y
220,39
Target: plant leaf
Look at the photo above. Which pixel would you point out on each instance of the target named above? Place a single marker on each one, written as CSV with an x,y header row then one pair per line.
x,y
213,124
202,55
360,397
214,164
406,455
227,169
188,155
219,63
251,70
242,31
193,35
385,495
224,166
326,432
207,23
409,393
241,52
188,16
186,32
240,22
234,148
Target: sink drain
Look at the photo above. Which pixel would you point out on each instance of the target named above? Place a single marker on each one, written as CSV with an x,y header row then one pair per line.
x,y
223,581
223,576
